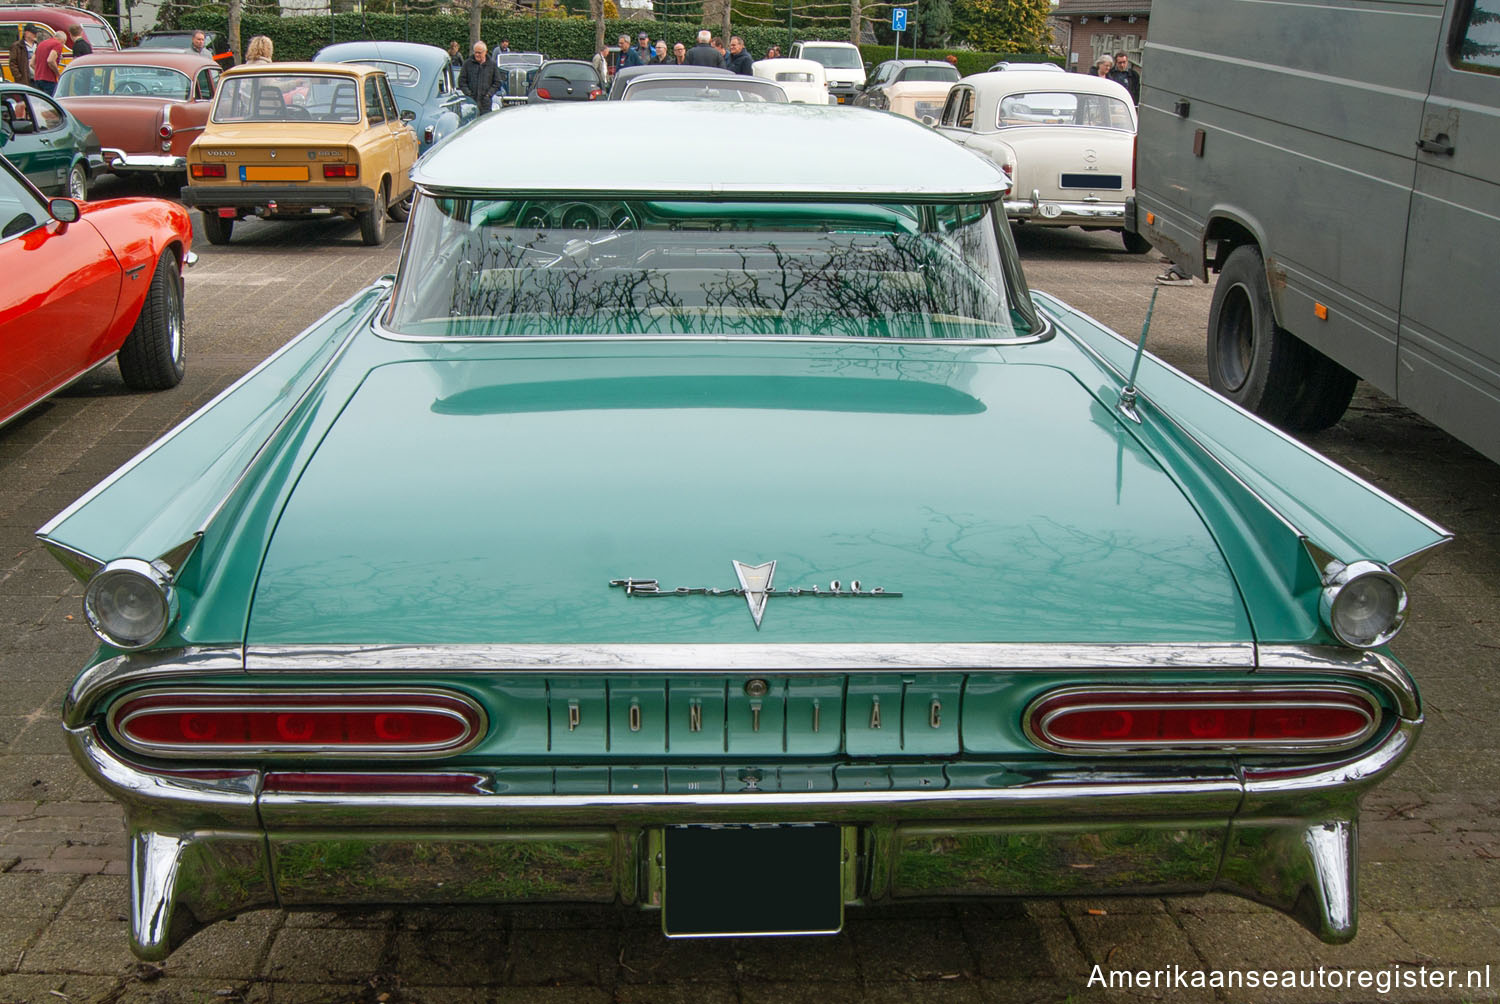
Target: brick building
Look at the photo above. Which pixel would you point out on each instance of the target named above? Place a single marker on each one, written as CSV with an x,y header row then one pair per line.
x,y
1086,29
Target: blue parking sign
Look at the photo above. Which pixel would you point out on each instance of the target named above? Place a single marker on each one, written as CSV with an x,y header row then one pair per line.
x,y
898,19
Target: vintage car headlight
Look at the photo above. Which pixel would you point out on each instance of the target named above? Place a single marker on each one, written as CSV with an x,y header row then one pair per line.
x,y
130,603
1364,604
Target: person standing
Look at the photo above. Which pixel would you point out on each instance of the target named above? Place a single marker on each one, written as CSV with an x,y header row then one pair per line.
x,y
625,55
643,50
600,63
80,45
679,55
661,52
20,55
258,50
774,52
739,60
198,43
704,54
46,64
455,55
504,45
1104,67
477,79
1126,77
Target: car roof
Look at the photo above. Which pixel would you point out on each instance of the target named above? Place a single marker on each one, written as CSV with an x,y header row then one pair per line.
x,y
304,69
175,59
1024,80
879,155
904,63
426,58
51,16
630,73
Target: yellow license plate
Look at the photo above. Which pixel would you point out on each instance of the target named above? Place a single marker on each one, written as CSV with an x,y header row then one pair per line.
x,y
273,174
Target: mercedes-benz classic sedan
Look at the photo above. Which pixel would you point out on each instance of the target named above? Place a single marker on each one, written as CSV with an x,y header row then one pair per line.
x,y
733,537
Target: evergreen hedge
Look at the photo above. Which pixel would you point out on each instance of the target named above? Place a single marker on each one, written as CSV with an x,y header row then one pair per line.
x,y
298,38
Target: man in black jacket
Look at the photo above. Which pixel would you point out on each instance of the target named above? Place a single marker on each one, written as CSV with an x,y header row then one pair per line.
x,y
1126,77
478,78
739,60
704,54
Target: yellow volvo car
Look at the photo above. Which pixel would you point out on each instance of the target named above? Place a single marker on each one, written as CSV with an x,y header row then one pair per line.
x,y
302,140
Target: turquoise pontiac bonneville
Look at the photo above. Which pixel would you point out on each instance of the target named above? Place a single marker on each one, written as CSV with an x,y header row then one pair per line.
x,y
732,534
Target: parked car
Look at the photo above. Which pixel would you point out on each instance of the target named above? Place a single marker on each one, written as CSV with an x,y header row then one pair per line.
x,y
53,19
692,83
565,80
915,88
146,107
1066,141
1044,66
803,79
842,63
517,74
57,153
300,141
423,81
424,621
86,282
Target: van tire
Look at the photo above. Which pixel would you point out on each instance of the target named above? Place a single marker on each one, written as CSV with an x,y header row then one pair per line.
x,y
1326,391
1135,243
1251,359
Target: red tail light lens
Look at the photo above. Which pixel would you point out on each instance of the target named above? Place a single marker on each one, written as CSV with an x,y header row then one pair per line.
x,y
165,131
341,170
208,170
326,722
543,93
1246,720
595,93
374,784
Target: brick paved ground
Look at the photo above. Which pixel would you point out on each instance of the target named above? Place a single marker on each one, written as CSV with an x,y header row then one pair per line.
x,y
1430,863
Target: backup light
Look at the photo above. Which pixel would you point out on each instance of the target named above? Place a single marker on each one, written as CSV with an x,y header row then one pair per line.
x,y
130,603
1363,604
1248,720
331,723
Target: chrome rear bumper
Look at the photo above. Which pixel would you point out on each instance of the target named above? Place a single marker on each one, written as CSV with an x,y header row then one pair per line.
x,y
207,845
119,160
1054,212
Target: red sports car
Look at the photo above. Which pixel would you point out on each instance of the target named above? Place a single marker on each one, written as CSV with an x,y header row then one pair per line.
x,y
84,282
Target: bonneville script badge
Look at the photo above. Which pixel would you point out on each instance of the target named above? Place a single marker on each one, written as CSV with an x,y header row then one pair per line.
x,y
755,586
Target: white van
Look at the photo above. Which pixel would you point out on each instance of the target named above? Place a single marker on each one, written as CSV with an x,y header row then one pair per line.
x,y
842,63
1338,165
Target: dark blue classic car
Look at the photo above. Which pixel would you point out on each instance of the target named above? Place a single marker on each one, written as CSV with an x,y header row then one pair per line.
x,y
422,80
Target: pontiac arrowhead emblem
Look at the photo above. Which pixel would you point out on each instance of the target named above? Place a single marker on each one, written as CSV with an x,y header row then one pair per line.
x,y
755,580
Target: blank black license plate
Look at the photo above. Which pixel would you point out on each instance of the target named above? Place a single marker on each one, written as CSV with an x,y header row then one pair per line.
x,y
750,880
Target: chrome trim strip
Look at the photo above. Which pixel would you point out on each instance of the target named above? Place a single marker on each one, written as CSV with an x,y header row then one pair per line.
x,y
82,566
1371,667
475,729
157,665
1027,210
811,658
1062,307
1369,710
1409,566
140,457
143,162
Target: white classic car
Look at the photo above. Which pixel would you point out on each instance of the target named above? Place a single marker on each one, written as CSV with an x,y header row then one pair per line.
x,y
804,80
915,88
1065,141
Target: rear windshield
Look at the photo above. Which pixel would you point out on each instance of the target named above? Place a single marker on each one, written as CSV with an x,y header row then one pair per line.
x,y
741,89
399,74
283,97
836,56
941,74
123,81
574,73
1065,108
494,268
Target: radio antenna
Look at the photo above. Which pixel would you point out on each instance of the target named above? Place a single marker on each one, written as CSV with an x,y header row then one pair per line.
x,y
1128,395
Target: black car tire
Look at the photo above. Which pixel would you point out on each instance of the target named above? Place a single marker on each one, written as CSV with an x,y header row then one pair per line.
x,y
1251,360
401,211
1324,396
154,352
1135,243
78,182
372,221
216,228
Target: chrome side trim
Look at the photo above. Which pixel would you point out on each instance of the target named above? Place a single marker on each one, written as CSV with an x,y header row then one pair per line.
x,y
811,658
158,665
1045,334
1371,667
82,566
134,461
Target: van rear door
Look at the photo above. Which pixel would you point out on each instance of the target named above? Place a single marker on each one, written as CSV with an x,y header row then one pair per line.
x,y
1448,343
